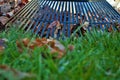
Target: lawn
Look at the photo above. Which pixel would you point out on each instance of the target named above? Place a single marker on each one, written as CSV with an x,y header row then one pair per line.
x,y
95,56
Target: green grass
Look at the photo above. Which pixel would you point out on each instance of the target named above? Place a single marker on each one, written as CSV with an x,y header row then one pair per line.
x,y
96,57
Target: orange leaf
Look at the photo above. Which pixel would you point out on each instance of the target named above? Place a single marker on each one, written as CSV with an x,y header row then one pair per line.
x,y
44,40
38,40
54,23
25,41
60,53
2,48
18,44
110,29
32,46
20,49
51,43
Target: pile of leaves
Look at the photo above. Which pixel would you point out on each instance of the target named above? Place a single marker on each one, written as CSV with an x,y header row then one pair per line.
x,y
76,30
53,45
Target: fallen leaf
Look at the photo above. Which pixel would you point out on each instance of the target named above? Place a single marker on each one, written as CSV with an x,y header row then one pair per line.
x,y
59,55
71,47
117,26
26,41
38,40
54,23
18,44
51,44
79,29
54,45
25,1
32,46
42,40
2,48
110,29
20,49
59,45
58,27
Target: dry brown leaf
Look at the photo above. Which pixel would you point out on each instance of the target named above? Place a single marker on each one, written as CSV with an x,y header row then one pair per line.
x,y
25,1
20,49
58,27
40,45
38,40
3,67
42,40
26,41
71,47
57,47
18,44
54,23
51,44
110,29
32,46
58,24
2,48
60,53
54,45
